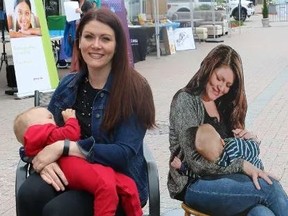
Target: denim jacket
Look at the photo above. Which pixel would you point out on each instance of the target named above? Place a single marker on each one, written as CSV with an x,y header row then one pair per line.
x,y
122,150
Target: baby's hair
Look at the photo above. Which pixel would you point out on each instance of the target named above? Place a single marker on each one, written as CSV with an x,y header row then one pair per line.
x,y
21,123
204,134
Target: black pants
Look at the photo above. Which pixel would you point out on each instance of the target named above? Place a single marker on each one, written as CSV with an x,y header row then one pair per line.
x,y
37,198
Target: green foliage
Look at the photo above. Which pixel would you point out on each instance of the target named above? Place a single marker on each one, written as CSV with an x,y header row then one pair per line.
x,y
219,2
205,7
235,23
265,12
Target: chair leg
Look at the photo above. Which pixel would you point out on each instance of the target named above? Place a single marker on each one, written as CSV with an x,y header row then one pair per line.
x,y
187,214
189,211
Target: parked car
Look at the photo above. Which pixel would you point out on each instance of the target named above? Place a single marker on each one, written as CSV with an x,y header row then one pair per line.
x,y
247,7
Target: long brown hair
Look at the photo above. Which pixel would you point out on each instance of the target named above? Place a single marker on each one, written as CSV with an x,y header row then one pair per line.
x,y
130,93
232,105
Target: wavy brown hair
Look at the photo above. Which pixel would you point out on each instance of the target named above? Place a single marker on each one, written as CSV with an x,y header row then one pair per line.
x,y
130,93
232,105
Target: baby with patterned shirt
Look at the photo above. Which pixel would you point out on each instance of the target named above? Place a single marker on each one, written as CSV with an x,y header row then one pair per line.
x,y
223,152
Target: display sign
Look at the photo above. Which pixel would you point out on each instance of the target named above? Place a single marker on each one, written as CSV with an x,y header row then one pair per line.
x,y
70,11
33,58
169,42
184,39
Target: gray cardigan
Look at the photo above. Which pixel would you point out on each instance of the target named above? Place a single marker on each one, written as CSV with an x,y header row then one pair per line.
x,y
187,111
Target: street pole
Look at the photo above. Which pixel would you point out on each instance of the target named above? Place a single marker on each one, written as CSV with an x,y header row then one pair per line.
x,y
156,22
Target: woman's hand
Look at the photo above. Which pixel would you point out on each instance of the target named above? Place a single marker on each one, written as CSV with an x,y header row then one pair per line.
x,y
78,10
53,175
255,173
176,163
31,31
243,133
48,155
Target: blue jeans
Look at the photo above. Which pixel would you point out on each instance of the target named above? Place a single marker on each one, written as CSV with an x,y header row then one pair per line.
x,y
235,194
260,210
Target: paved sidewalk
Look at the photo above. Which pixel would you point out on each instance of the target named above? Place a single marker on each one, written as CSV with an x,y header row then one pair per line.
x,y
264,53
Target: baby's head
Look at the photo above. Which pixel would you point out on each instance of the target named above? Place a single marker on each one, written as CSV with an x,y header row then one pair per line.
x,y
208,142
32,116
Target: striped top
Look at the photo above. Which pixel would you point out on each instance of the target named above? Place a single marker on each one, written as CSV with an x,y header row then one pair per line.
x,y
240,148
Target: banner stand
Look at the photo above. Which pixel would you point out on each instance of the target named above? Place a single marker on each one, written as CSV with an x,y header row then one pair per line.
x,y
33,58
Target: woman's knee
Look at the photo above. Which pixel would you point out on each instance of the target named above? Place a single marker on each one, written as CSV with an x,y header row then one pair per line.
x,y
260,210
275,189
72,203
33,194
30,190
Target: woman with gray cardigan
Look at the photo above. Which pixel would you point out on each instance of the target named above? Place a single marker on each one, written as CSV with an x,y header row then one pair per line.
x,y
216,95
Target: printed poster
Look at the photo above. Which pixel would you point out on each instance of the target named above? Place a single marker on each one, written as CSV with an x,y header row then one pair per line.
x,y
35,66
70,11
184,39
118,7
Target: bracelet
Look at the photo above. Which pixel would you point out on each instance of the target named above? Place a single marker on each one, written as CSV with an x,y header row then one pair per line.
x,y
66,147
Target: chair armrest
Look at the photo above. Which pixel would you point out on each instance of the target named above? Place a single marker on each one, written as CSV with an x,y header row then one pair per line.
x,y
153,183
21,175
42,98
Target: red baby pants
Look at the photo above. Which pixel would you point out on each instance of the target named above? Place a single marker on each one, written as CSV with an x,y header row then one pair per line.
x,y
106,184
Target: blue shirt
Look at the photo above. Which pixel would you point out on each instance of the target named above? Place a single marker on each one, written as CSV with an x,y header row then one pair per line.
x,y
122,150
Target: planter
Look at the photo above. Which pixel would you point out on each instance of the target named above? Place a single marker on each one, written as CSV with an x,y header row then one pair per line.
x,y
265,22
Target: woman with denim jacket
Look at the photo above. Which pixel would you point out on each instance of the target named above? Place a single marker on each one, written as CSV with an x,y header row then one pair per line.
x,y
114,106
216,95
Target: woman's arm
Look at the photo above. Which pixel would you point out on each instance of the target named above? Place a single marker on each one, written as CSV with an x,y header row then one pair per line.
x,y
45,163
26,33
10,22
51,153
202,167
31,31
125,143
198,164
187,111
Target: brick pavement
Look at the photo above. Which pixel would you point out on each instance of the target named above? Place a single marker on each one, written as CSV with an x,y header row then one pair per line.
x,y
264,54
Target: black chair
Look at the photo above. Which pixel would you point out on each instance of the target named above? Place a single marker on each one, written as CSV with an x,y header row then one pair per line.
x,y
24,169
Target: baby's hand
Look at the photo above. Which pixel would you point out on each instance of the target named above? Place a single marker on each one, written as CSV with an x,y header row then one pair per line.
x,y
176,163
68,113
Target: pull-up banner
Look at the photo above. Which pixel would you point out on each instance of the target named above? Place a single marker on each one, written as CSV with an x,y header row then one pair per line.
x,y
118,7
33,58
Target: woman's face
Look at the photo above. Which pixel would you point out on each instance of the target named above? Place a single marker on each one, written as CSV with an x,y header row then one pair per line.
x,y
97,45
219,83
23,15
